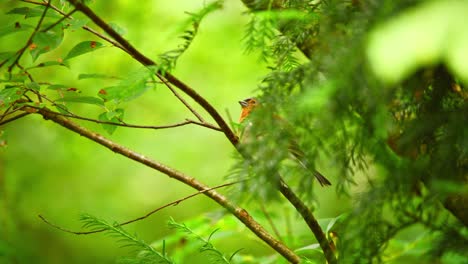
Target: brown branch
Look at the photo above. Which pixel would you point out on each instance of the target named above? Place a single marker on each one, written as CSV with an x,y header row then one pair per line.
x,y
132,51
311,221
174,203
237,211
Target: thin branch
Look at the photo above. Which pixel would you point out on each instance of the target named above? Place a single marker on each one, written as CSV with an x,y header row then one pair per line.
x,y
181,99
184,123
60,20
14,118
20,52
174,203
132,51
237,211
92,31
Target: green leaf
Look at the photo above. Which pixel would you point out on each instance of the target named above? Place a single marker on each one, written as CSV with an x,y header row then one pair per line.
x,y
57,87
430,33
49,63
33,12
111,116
82,99
33,86
46,41
120,30
14,28
82,48
7,55
9,95
95,76
76,24
130,88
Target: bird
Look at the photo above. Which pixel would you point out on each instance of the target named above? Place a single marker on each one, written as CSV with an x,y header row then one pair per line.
x,y
247,107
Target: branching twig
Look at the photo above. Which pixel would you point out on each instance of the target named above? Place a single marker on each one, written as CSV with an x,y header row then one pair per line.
x,y
237,211
184,123
174,203
60,20
132,51
20,52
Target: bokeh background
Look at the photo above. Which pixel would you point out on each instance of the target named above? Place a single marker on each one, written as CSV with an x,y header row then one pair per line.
x,y
48,170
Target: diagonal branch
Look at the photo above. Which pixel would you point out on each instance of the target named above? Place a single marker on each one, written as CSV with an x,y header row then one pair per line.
x,y
237,211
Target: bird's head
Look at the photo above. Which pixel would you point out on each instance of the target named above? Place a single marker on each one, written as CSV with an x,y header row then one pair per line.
x,y
247,106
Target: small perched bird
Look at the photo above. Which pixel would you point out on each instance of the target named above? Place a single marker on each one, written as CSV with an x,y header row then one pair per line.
x,y
248,105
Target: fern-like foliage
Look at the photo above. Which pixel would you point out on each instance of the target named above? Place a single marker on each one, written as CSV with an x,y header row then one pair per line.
x,y
145,252
168,59
214,254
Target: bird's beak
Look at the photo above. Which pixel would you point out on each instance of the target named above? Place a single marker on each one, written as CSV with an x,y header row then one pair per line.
x,y
243,103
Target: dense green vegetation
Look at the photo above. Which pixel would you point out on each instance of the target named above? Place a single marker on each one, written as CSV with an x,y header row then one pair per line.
x,y
372,94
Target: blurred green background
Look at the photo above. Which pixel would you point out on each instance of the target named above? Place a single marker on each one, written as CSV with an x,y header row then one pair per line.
x,y
48,170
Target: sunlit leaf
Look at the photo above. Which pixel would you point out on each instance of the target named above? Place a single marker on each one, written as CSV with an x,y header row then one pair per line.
x,y
76,24
130,88
33,86
45,41
82,48
33,12
95,76
111,116
82,99
14,27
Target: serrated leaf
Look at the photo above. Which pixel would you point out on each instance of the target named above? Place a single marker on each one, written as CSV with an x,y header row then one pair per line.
x,y
95,76
14,27
82,48
82,99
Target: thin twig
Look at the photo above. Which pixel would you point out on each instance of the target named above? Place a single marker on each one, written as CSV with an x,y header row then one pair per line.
x,y
137,55
183,123
186,122
174,203
92,31
60,20
181,99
